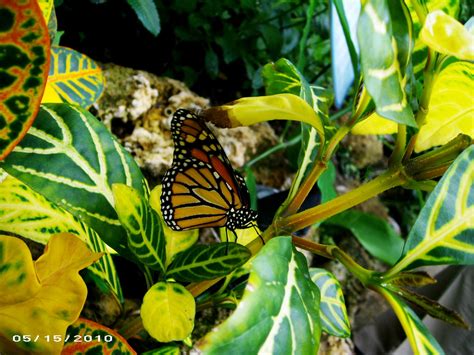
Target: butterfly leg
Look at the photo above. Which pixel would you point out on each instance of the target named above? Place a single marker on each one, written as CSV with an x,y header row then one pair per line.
x,y
258,233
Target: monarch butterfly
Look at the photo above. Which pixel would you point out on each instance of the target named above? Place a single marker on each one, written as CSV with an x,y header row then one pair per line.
x,y
201,189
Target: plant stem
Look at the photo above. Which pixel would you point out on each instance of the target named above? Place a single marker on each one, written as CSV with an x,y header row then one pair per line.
x,y
384,182
399,149
272,150
304,38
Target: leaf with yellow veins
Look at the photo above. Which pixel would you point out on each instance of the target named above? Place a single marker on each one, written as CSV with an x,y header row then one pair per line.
x,y
375,124
250,110
43,297
447,36
451,108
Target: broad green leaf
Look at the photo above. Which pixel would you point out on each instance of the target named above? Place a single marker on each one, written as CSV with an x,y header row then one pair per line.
x,y
176,241
375,234
420,338
444,231
143,226
24,63
207,262
103,340
148,14
279,312
385,39
447,36
334,320
420,51
72,159
73,77
44,297
27,213
326,183
451,108
168,312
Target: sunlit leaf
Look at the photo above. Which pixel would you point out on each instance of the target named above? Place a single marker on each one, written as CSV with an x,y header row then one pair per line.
x,y
73,77
176,241
451,108
375,124
99,340
27,213
44,297
168,311
334,320
280,301
385,40
420,338
72,159
444,230
143,226
24,63
206,262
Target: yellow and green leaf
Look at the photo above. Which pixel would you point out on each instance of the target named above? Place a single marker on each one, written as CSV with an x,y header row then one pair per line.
x,y
24,63
444,230
334,320
25,212
168,311
47,7
375,124
385,40
420,338
103,340
176,241
207,262
71,158
44,297
143,225
451,107
280,300
447,36
73,77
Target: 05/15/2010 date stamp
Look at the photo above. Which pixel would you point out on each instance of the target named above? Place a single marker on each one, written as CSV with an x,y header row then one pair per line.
x,y
57,338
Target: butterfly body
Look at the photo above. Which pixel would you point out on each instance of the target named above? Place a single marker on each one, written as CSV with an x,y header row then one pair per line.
x,y
201,189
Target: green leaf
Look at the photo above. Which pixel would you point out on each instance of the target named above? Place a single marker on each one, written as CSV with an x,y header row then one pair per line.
x,y
27,213
73,77
144,228
100,342
375,234
148,14
207,262
212,63
444,231
72,159
420,338
168,312
451,109
334,320
164,350
447,36
279,312
385,39
326,183
24,63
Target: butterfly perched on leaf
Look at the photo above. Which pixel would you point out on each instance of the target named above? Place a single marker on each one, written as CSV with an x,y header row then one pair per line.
x,y
201,189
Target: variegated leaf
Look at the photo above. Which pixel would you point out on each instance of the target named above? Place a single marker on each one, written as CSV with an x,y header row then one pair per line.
x,y
451,107
46,8
334,320
143,225
444,230
24,62
26,213
280,300
385,39
206,262
73,77
72,159
420,338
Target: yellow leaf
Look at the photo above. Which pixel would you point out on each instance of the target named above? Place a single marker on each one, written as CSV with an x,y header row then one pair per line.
x,y
50,94
43,298
176,241
375,124
451,107
250,110
446,35
46,7
168,312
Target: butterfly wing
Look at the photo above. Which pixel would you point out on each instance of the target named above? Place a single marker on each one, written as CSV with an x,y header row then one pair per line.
x,y
200,188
